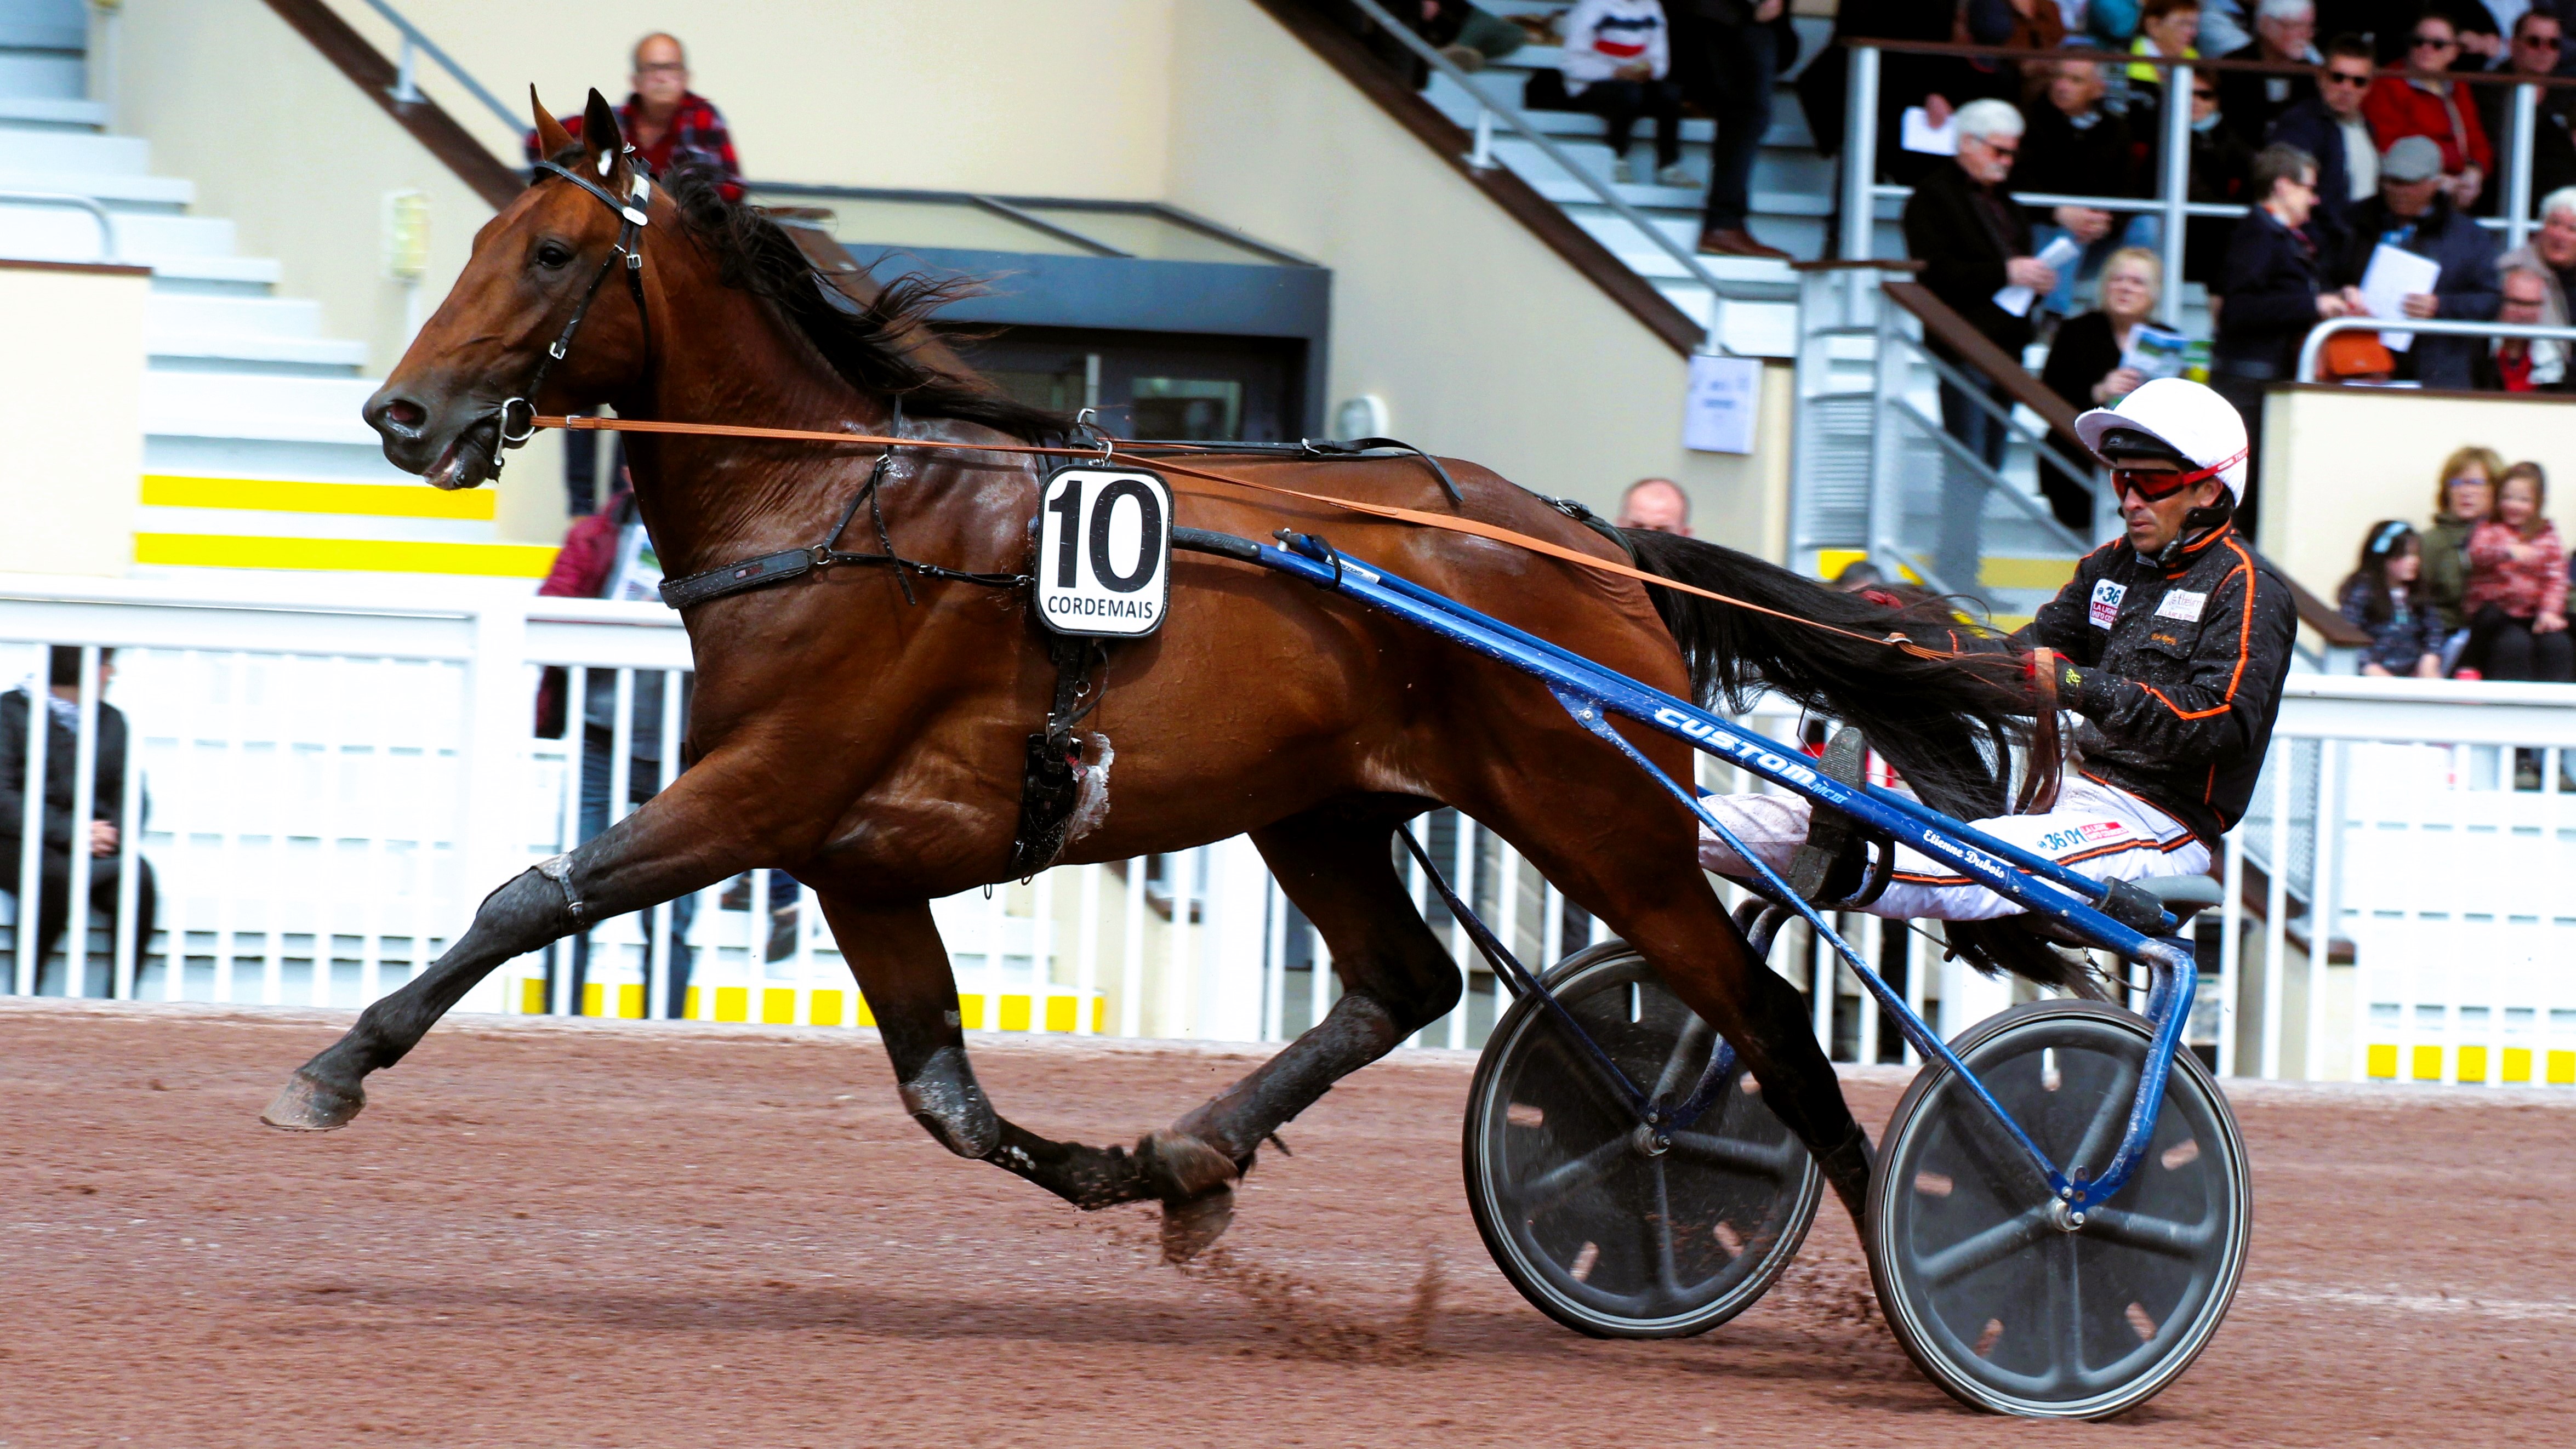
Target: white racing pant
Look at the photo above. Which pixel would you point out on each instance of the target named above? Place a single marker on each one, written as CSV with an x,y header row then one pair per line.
x,y
2095,830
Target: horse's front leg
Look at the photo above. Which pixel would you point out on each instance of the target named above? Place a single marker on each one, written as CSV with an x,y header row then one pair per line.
x,y
688,837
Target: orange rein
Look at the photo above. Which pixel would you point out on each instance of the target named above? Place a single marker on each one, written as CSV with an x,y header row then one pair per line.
x,y
1467,526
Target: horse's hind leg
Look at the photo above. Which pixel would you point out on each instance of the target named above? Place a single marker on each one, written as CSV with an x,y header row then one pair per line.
x,y
1336,862
901,966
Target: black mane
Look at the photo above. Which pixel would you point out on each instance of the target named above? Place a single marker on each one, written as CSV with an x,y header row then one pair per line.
x,y
871,345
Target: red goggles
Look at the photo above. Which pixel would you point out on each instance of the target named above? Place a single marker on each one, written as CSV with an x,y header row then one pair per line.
x,y
2157,486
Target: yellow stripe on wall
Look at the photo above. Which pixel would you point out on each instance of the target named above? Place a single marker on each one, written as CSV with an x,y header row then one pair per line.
x,y
380,500
242,551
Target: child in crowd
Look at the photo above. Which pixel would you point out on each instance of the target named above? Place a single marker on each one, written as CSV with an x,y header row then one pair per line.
x,y
2517,593
2381,596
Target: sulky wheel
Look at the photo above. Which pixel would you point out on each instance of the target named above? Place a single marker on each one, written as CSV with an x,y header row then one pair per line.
x,y
1996,1301
1602,1229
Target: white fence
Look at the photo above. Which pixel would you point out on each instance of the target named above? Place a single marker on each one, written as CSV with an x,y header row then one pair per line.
x,y
327,789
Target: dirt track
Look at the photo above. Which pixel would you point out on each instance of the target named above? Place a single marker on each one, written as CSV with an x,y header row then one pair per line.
x,y
667,1236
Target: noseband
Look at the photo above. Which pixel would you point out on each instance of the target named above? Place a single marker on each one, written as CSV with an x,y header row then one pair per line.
x,y
632,221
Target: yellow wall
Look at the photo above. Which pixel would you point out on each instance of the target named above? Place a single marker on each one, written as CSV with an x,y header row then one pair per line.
x,y
280,142
71,429
2335,462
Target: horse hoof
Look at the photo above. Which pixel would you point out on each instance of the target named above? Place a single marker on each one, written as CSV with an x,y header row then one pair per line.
x,y
305,1104
1191,1225
1181,1166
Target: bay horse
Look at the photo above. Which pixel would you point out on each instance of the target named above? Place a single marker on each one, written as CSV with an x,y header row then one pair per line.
x,y
865,729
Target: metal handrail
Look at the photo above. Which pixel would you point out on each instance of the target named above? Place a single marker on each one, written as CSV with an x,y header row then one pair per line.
x,y
107,250
2315,346
1602,191
406,88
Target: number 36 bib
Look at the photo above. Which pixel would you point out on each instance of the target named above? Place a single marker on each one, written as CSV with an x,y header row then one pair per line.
x,y
1104,551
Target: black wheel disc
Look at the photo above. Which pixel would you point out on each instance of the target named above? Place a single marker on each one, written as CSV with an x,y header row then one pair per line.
x,y
1994,1299
1598,1226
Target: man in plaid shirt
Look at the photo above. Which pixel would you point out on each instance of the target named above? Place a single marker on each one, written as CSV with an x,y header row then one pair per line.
x,y
664,120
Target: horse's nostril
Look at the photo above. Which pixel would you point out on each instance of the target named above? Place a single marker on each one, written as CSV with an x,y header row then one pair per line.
x,y
404,413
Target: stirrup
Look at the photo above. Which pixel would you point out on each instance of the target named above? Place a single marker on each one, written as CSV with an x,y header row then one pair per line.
x,y
1835,866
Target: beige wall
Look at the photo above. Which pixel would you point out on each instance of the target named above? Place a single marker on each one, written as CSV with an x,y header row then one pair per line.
x,y
1485,344
71,430
278,140
1036,97
2335,462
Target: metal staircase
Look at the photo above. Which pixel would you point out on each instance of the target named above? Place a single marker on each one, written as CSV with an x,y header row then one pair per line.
x,y
254,456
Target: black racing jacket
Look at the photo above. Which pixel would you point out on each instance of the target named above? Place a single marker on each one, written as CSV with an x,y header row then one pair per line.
x,y
2181,671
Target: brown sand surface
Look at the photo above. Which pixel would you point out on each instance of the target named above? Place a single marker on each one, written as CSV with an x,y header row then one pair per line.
x,y
544,1234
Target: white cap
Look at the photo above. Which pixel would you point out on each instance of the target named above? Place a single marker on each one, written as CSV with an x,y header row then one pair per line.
x,y
2183,415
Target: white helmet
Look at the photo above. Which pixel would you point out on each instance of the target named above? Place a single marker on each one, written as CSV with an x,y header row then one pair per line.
x,y
2184,416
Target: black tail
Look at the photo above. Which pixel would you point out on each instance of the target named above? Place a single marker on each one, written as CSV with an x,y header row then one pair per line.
x,y
1947,725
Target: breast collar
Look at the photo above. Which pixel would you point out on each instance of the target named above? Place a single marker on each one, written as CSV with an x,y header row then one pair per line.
x,y
630,233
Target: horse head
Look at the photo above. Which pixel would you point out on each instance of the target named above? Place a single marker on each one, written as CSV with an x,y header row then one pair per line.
x,y
527,289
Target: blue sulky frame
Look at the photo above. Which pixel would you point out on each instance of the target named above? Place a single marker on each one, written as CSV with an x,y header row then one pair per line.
x,y
1592,694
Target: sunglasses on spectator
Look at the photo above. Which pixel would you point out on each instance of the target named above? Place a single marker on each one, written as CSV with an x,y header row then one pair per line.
x,y
2336,77
2203,95
2000,148
2539,42
2435,42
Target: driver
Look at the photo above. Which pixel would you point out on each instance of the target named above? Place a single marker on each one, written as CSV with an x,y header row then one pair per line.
x,y
2171,642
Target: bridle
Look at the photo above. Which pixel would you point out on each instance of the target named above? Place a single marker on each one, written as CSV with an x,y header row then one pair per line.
x,y
632,219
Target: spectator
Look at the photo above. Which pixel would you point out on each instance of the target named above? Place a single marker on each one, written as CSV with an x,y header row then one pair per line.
x,y
1905,80
2011,24
1974,243
2538,40
2087,367
1617,55
2414,213
1857,575
2381,596
42,929
2519,364
2550,255
2461,501
665,121
2329,126
2271,289
1656,504
2112,23
2221,168
2073,146
2166,29
2423,101
2517,594
1736,51
2285,33
608,556
1469,38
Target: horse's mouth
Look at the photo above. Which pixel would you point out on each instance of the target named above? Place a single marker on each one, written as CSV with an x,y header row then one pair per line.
x,y
468,461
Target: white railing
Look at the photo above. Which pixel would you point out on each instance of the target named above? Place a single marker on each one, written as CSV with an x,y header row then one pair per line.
x,y
334,785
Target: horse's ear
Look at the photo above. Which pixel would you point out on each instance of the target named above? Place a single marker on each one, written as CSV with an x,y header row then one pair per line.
x,y
599,127
551,136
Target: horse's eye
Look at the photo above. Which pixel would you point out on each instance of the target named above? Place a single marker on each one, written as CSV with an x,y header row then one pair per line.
x,y
551,255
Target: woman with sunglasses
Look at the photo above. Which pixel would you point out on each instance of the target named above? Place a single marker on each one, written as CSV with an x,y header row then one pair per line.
x,y
2171,642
